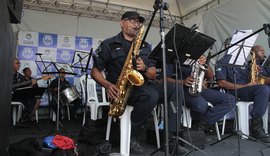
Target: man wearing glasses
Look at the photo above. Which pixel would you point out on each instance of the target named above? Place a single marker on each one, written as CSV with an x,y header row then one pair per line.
x,y
111,56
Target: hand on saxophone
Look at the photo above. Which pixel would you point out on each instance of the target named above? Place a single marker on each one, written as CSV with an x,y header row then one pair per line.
x,y
140,66
112,91
188,81
202,59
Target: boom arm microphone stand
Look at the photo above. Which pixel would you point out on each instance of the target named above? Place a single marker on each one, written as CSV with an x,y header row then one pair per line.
x,y
164,6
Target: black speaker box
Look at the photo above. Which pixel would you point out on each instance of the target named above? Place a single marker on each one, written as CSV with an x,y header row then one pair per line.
x,y
15,10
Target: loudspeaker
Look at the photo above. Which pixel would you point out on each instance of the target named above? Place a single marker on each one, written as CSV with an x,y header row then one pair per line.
x,y
15,10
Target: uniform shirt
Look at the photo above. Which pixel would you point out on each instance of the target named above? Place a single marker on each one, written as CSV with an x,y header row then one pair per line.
x,y
170,71
111,55
17,77
225,71
63,84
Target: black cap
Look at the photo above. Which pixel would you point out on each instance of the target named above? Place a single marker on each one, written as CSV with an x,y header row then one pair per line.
x,y
131,15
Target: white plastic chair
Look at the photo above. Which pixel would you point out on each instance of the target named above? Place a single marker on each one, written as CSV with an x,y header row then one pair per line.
x,y
92,98
125,130
17,108
187,119
243,117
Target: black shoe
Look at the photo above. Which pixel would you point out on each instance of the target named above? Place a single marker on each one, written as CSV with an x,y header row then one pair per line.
x,y
257,130
135,147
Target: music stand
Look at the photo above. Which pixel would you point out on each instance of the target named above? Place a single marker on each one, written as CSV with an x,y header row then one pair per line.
x,y
187,43
80,59
28,93
54,68
183,46
240,51
84,59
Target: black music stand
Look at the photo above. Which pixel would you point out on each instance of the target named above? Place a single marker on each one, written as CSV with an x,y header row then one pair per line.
x,y
81,60
183,46
27,93
54,68
182,42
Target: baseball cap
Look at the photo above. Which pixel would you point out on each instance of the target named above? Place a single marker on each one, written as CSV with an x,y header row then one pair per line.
x,y
131,15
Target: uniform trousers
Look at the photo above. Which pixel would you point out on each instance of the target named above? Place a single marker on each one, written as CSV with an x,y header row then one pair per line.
x,y
143,99
171,97
223,103
257,93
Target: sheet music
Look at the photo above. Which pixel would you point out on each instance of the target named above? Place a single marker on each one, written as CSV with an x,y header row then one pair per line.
x,y
241,51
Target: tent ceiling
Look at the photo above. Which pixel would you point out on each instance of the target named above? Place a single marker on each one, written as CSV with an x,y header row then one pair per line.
x,y
113,9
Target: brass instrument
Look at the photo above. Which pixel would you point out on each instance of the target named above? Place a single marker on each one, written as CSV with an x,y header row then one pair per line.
x,y
127,78
198,72
255,76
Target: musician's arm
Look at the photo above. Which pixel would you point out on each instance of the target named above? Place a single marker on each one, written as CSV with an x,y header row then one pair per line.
x,y
209,75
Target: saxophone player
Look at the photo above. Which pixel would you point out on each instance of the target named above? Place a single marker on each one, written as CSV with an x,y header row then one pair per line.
x,y
246,90
111,56
263,71
204,117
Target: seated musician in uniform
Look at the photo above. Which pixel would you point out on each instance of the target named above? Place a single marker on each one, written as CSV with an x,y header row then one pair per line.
x,y
247,90
64,84
197,100
18,82
112,55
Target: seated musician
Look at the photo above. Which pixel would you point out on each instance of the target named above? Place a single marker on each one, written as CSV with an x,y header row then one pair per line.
x,y
27,76
197,99
64,84
18,82
246,91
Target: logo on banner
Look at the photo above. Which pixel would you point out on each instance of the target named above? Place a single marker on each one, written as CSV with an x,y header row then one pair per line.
x,y
48,40
65,55
28,39
66,39
47,52
83,43
66,43
27,53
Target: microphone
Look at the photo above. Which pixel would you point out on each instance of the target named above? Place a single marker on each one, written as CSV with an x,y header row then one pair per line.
x,y
80,57
194,27
38,54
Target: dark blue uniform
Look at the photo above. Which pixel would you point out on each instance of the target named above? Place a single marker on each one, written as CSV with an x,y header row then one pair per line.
x,y
171,97
111,56
257,93
223,103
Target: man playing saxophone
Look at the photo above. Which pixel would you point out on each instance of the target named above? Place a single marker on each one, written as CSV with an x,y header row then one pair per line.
x,y
111,57
261,73
246,91
201,114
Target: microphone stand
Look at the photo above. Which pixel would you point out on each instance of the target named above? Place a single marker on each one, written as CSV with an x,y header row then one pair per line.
x,y
164,6
86,77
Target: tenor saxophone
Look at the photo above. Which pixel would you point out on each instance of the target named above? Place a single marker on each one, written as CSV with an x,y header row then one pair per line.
x,y
128,78
255,76
198,73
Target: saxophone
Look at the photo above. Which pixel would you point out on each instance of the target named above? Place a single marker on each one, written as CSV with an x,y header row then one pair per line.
x,y
127,78
255,76
198,72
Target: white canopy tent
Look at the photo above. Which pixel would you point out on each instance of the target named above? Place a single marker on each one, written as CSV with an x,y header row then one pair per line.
x,y
216,18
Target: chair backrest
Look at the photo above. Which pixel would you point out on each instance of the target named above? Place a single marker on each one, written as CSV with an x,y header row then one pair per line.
x,y
82,83
91,89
